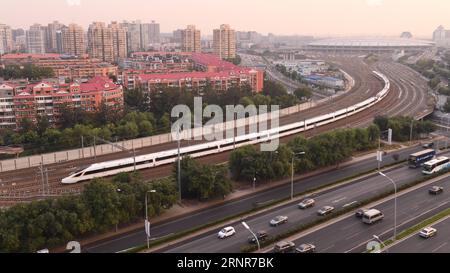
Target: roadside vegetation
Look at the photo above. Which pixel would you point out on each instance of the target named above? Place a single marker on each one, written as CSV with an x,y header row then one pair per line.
x,y
401,127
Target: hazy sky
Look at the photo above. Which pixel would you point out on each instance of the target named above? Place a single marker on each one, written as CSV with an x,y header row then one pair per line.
x,y
317,17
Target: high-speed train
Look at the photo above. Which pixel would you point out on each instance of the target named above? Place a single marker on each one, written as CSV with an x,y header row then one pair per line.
x,y
130,164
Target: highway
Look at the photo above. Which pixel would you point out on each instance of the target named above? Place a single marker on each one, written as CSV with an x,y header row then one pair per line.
x,y
235,207
28,181
351,235
437,244
339,198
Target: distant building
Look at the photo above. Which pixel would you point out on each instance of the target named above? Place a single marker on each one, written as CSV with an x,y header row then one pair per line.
x,y
133,35
23,100
329,82
190,39
53,42
406,35
119,37
441,37
73,40
108,44
35,39
6,39
177,36
224,42
150,34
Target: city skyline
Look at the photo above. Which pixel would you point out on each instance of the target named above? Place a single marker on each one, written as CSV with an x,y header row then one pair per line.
x,y
292,17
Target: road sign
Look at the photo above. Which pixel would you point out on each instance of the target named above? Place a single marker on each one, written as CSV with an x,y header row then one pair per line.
x,y
390,137
380,156
147,228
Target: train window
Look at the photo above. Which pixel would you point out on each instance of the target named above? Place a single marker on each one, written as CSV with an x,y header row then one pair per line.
x,y
78,174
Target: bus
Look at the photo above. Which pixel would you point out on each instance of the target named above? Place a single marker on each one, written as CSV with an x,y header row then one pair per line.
x,y
372,216
436,165
418,159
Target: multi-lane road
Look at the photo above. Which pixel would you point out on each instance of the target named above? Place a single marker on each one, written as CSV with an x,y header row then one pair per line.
x,y
401,100
351,235
416,244
329,239
214,214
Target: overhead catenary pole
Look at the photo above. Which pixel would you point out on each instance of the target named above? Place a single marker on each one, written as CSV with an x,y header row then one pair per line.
x,y
179,163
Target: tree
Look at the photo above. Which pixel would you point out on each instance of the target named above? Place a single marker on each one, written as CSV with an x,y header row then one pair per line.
x,y
382,122
26,125
43,123
274,89
103,202
303,93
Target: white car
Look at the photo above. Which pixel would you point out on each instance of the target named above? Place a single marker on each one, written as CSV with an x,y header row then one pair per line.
x,y
279,220
428,232
226,232
308,203
325,210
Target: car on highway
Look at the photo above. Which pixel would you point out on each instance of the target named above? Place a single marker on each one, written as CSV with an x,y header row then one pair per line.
x,y
325,210
261,235
284,247
436,190
226,232
428,232
279,220
428,145
360,213
372,216
306,248
307,203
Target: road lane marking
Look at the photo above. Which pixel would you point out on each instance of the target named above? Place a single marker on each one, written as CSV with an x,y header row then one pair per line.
x,y
339,200
350,204
437,249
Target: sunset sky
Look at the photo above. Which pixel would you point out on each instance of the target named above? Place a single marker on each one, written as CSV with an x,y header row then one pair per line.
x,y
316,17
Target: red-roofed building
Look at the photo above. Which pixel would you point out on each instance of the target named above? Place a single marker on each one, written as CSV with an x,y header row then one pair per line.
x,y
45,99
207,68
63,66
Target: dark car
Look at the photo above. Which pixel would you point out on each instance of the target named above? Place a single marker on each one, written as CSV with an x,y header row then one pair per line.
x,y
262,236
436,190
360,213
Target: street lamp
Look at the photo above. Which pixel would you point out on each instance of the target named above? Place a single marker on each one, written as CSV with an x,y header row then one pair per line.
x,y
380,241
292,177
395,204
147,222
254,235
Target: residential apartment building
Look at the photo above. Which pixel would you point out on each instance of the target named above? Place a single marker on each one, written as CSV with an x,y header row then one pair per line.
x,y
133,35
224,42
35,39
53,37
190,39
64,67
20,101
73,40
100,42
207,69
6,39
119,41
